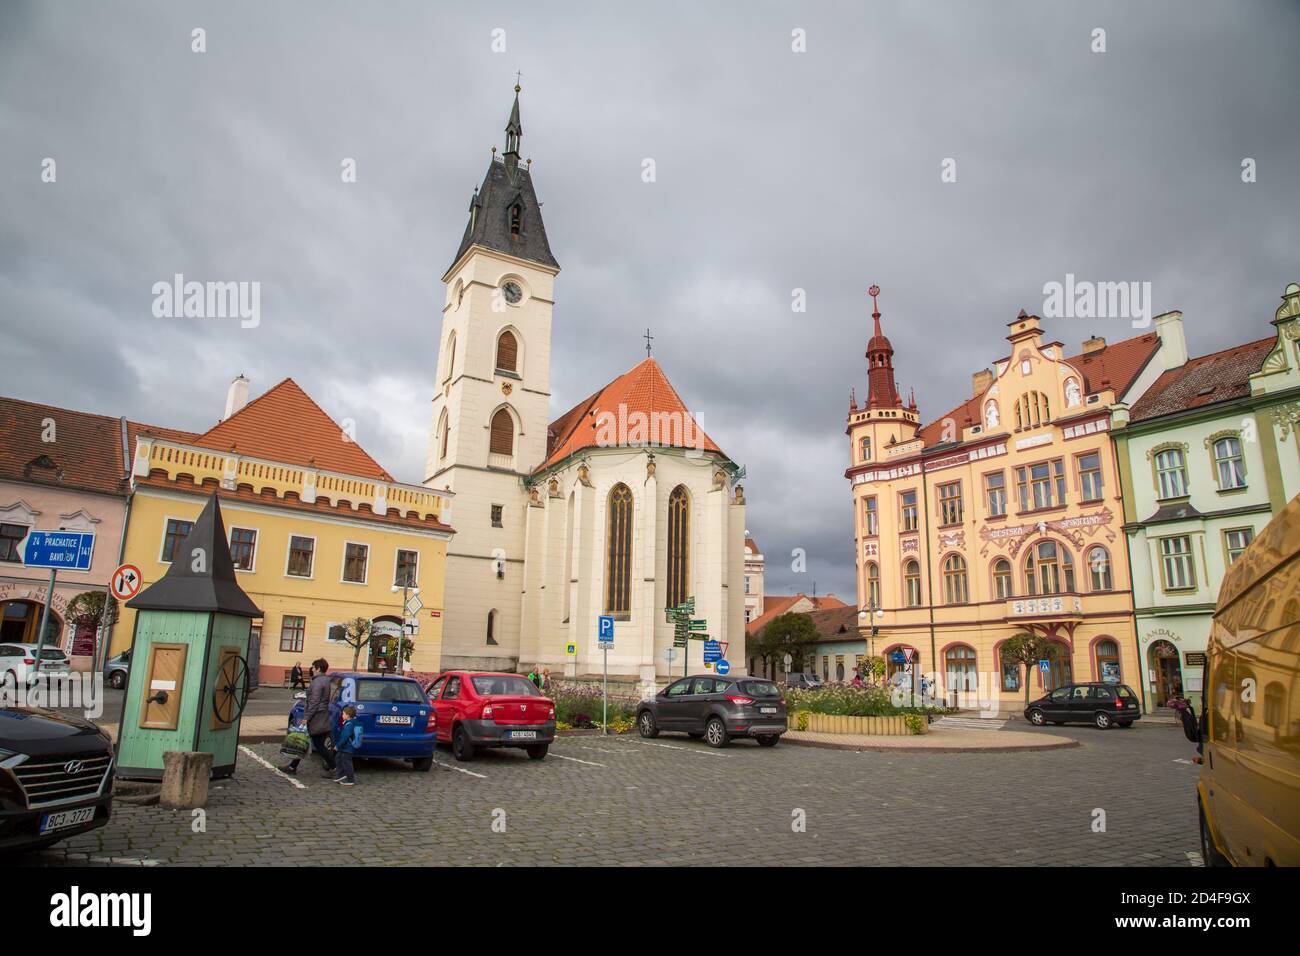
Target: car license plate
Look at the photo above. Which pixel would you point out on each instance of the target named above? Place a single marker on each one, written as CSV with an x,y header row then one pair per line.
x,y
767,710
523,735
67,818
394,719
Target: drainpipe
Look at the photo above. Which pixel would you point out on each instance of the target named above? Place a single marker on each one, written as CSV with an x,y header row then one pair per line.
x,y
929,566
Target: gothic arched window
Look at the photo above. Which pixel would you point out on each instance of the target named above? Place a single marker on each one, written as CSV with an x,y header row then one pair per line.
x,y
503,433
516,219
446,433
618,553
507,352
451,356
679,546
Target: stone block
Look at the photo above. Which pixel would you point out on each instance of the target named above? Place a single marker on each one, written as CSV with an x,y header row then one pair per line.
x,y
185,779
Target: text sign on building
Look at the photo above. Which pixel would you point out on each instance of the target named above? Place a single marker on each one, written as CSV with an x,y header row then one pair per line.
x,y
60,550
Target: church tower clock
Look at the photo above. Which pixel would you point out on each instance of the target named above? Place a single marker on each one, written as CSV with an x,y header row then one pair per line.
x,y
489,419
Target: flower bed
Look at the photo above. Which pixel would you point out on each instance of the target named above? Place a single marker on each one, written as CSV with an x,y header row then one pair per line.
x,y
578,705
845,700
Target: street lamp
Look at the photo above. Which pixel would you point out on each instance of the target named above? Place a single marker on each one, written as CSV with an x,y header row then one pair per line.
x,y
864,615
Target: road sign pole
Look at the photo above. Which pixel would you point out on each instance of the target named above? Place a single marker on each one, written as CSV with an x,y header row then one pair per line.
x,y
604,715
45,620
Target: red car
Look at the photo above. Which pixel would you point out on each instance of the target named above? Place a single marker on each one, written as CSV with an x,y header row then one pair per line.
x,y
476,709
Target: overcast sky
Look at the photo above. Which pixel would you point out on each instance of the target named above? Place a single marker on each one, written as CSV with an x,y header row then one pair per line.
x,y
776,170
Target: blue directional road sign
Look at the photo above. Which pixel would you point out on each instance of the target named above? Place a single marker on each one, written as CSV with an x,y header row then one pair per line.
x,y
61,550
712,652
723,667
605,629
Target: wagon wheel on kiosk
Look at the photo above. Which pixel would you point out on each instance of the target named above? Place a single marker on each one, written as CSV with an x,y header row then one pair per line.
x,y
230,691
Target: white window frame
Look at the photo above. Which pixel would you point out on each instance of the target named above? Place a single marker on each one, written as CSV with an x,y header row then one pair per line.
x,y
343,567
288,553
257,541
1185,558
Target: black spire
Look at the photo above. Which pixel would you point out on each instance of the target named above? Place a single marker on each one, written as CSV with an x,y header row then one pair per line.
x,y
504,214
202,575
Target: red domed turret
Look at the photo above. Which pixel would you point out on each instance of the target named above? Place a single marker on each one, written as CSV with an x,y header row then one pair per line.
x,y
882,392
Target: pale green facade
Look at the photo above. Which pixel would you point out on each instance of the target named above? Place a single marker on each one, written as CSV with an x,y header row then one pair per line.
x,y
1240,465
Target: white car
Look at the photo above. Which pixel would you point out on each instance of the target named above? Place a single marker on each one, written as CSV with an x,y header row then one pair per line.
x,y
18,664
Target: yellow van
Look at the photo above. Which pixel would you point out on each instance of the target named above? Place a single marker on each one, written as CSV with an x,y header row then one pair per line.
x,y
1249,791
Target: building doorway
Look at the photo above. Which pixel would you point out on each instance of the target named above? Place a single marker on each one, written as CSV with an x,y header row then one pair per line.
x,y
1060,670
21,620
385,640
1169,672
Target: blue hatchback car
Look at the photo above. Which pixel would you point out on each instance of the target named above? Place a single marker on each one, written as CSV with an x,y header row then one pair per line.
x,y
396,718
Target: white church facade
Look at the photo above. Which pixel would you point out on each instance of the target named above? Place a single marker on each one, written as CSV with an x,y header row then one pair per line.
x,y
622,506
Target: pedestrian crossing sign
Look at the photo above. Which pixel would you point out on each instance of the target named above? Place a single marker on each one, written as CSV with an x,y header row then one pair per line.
x,y
571,649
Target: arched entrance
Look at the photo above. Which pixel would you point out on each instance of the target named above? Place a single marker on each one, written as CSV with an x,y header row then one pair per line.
x,y
1163,657
1060,670
21,620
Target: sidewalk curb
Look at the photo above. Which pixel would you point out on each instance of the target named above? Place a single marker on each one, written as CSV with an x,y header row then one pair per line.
x,y
1065,742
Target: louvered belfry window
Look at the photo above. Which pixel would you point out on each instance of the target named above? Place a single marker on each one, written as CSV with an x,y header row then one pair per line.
x,y
618,560
679,547
503,433
507,353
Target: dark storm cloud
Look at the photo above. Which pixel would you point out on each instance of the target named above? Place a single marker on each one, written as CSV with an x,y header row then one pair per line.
x,y
775,171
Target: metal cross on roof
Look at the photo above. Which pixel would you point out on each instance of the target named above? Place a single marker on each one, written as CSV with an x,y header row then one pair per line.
x,y
873,292
647,338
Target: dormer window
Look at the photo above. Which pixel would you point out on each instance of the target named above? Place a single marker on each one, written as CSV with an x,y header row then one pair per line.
x,y
516,219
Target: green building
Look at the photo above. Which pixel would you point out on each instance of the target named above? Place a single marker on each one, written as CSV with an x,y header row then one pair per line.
x,y
1207,456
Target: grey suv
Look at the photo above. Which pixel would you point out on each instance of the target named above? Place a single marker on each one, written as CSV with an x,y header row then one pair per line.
x,y
717,709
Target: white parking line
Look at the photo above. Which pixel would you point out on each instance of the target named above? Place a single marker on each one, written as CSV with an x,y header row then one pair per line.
x,y
274,769
602,750
114,860
576,760
447,766
689,750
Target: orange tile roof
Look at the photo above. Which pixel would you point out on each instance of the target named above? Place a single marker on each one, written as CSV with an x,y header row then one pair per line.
x,y
284,424
85,455
1114,367
644,390
1204,380
774,605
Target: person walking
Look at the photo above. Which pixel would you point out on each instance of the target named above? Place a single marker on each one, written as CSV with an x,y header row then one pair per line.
x,y
318,712
295,676
347,744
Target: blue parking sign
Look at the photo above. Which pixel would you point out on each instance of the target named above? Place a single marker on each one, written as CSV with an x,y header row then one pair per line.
x,y
605,629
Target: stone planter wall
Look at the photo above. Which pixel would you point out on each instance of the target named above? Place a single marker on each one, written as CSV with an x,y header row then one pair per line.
x,y
895,726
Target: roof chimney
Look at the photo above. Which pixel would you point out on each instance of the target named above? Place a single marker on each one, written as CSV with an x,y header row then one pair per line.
x,y
236,396
980,381
1094,343
1173,343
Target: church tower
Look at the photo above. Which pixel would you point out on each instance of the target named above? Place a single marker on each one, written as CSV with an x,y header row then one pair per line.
x,y
490,412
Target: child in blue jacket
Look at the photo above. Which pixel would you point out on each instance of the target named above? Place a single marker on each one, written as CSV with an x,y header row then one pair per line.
x,y
346,744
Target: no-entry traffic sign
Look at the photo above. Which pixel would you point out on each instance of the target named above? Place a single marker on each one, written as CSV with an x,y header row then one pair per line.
x,y
126,582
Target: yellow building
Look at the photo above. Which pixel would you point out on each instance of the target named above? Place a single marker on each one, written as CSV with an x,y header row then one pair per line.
x,y
1001,517
319,532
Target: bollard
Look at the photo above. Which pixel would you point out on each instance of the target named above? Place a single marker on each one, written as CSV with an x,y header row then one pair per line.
x,y
185,779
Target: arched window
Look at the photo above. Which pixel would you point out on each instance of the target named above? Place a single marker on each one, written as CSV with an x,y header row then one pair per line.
x,y
955,590
491,627
912,583
959,665
516,219
873,584
508,352
1228,463
618,553
446,433
866,448
451,356
1099,569
1010,671
1049,569
1032,410
503,433
679,546
1002,583
1107,653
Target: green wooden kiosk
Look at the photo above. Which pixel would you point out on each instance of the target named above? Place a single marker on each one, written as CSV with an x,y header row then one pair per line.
x,y
189,658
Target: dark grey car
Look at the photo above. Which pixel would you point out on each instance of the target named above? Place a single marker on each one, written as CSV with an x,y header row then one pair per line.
x,y
717,709
117,669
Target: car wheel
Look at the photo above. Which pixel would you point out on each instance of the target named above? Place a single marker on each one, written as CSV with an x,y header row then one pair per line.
x,y
117,680
1102,720
1036,717
1210,854
537,751
768,740
646,725
715,732
461,748
423,764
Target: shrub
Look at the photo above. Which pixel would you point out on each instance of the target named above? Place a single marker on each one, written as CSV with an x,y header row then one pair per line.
x,y
915,723
845,700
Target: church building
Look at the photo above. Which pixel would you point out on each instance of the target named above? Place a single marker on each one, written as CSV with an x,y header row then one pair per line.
x,y
622,506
